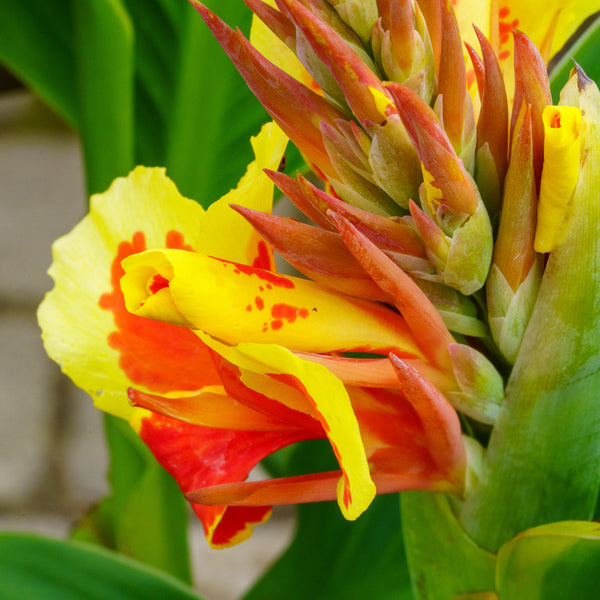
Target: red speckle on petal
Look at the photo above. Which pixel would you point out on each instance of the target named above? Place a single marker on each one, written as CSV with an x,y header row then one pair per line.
x,y
272,278
347,497
158,356
175,240
259,303
249,307
287,312
278,324
504,55
504,12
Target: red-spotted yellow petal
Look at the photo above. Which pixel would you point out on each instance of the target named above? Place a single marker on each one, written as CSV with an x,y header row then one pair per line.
x,y
549,25
237,303
199,456
331,404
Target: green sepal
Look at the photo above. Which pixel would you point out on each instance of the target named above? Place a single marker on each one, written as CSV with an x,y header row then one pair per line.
x,y
481,386
486,177
509,312
470,253
551,562
394,160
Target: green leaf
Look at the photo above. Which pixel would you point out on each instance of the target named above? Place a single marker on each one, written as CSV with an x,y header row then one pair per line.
x,y
37,567
444,561
585,52
36,44
146,515
105,71
214,113
333,558
551,562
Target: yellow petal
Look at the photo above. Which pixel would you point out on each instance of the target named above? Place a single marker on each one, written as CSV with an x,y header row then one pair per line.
x,y
242,304
560,172
225,233
536,19
331,403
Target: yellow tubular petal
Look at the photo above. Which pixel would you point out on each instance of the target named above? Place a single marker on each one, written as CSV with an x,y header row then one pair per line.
x,y
242,304
559,175
225,233
331,403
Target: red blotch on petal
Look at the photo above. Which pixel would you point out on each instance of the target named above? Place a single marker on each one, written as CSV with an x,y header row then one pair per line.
x,y
263,259
158,283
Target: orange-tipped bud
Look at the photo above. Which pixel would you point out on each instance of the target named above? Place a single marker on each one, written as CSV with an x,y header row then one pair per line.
x,y
296,109
445,177
513,251
320,255
531,87
353,76
516,270
457,107
492,125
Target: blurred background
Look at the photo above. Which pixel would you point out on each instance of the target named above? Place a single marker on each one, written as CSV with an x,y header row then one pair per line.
x,y
53,457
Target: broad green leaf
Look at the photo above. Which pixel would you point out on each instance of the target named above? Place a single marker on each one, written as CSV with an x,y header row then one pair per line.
x,y
543,459
214,113
333,558
551,562
104,69
444,561
36,43
585,52
157,28
37,567
146,515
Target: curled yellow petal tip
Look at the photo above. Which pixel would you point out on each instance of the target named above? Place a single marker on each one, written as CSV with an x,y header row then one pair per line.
x,y
383,103
562,143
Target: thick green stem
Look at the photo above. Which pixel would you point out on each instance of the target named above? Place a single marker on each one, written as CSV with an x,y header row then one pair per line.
x,y
543,460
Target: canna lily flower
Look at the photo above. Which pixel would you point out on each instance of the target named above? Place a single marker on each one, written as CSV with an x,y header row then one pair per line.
x,y
183,327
